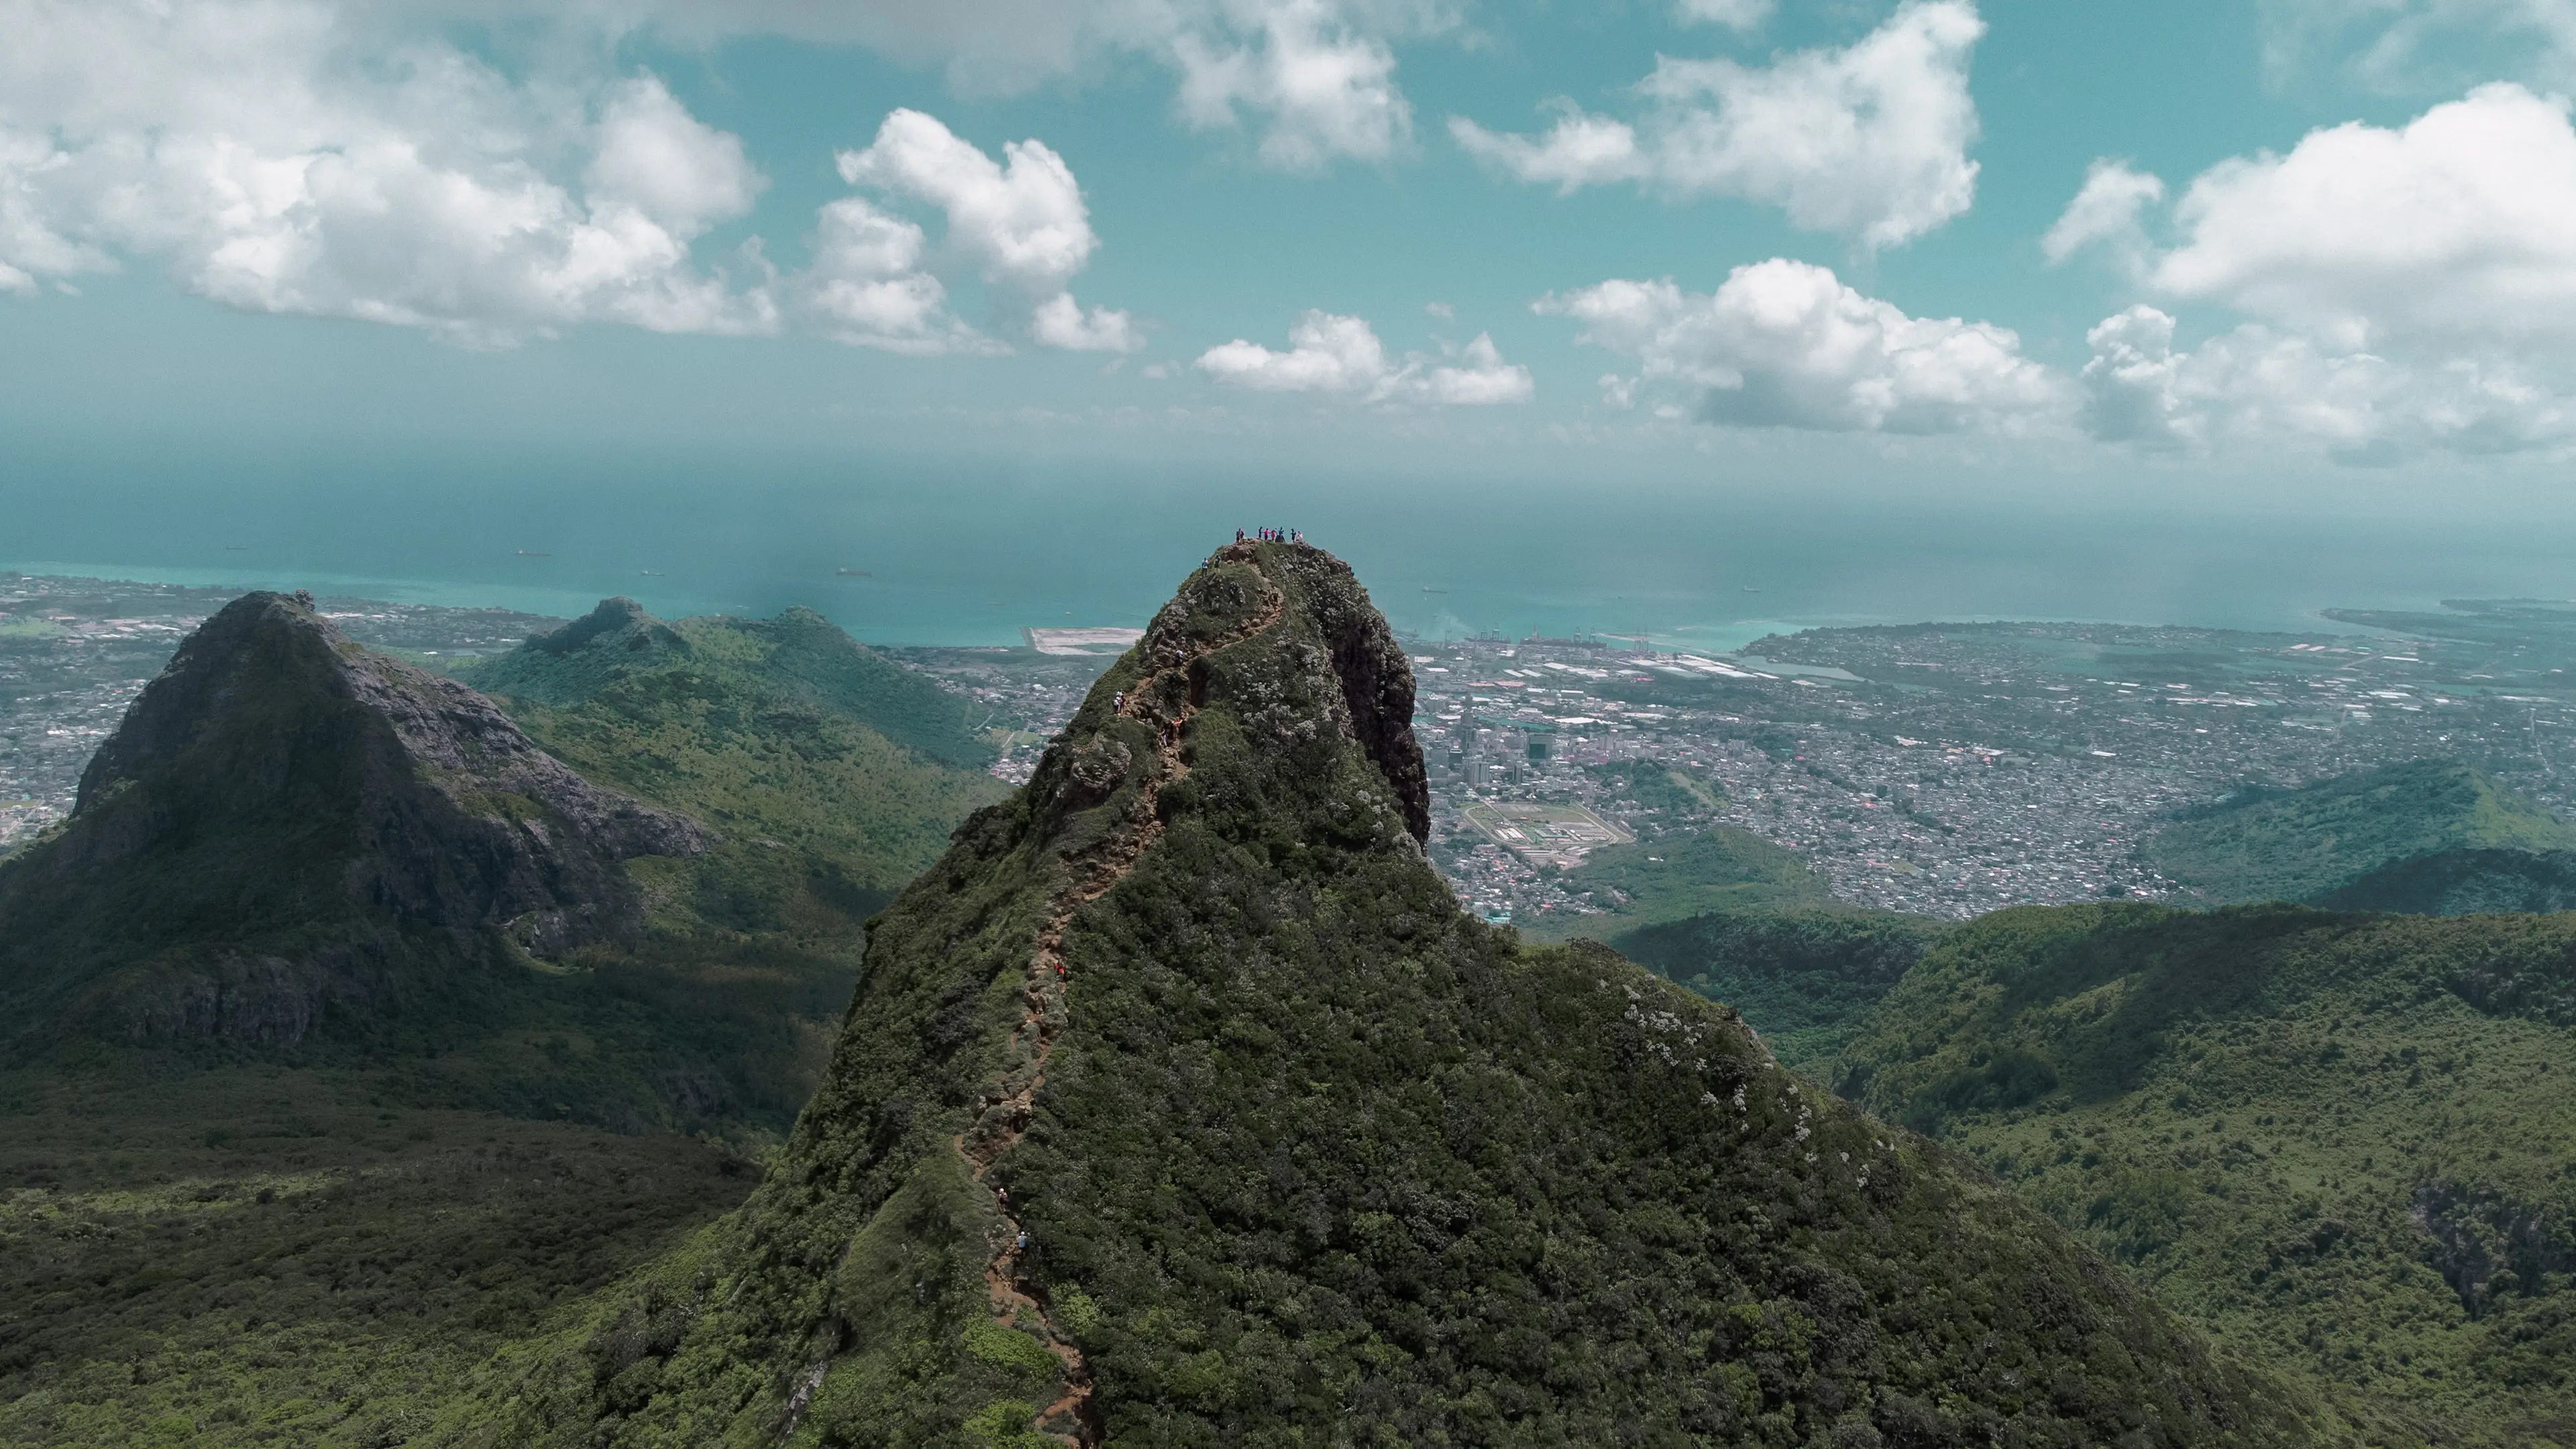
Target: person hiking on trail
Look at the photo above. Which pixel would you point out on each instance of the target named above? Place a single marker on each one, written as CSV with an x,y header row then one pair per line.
x,y
1024,1240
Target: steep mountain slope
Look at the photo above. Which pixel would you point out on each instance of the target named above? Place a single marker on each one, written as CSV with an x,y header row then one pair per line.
x,y
1180,1104
2337,1141
1806,977
2309,843
286,825
834,775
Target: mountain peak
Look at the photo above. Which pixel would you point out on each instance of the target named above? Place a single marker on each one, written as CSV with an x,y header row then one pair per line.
x,y
284,816
1180,1103
1285,637
611,617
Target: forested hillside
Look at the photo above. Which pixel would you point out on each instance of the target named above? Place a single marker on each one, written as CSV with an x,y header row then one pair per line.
x,y
2313,842
1806,977
2338,1143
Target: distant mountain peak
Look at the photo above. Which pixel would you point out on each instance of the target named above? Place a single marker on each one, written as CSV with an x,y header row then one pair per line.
x,y
613,616
282,814
799,657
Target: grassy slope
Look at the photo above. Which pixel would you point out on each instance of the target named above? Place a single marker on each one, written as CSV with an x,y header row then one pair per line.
x,y
2242,1107
2302,844
1805,977
833,775
1318,1159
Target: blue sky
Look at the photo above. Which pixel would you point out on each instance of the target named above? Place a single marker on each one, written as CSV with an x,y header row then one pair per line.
x,y
2299,250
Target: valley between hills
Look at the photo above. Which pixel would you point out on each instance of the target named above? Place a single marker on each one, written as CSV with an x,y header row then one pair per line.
x,y
487,1030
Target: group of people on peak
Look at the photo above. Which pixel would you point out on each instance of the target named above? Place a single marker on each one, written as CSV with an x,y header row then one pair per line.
x,y
1269,535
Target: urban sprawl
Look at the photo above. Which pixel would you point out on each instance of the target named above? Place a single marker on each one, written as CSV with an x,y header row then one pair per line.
x,y
1946,769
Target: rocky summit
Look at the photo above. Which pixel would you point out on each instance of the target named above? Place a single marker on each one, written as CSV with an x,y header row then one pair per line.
x,y
286,825
1179,1103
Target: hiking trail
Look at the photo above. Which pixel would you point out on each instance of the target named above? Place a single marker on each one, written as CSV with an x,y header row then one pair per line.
x,y
1004,1115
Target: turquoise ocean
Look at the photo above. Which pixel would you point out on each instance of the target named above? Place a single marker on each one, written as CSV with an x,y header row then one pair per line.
x,y
917,554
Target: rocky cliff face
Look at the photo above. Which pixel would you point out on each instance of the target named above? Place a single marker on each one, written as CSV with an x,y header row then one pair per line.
x,y
285,822
1180,1104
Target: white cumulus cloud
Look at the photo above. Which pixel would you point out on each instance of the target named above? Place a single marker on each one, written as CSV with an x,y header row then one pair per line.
x,y
297,156
1315,78
1327,90
1785,344
1733,14
1061,322
2252,384
656,157
2461,224
866,284
1869,141
1334,354
251,148
2105,214
1020,222
2420,47
2390,289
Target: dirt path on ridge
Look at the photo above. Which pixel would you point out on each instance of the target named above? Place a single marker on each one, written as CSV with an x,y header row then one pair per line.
x,y
1004,1117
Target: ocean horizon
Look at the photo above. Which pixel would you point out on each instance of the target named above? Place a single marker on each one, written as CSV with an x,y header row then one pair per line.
x,y
907,553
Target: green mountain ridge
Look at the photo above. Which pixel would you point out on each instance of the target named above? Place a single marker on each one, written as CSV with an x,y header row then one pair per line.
x,y
2309,843
446,1055
1179,1103
800,655
2335,1142
833,774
